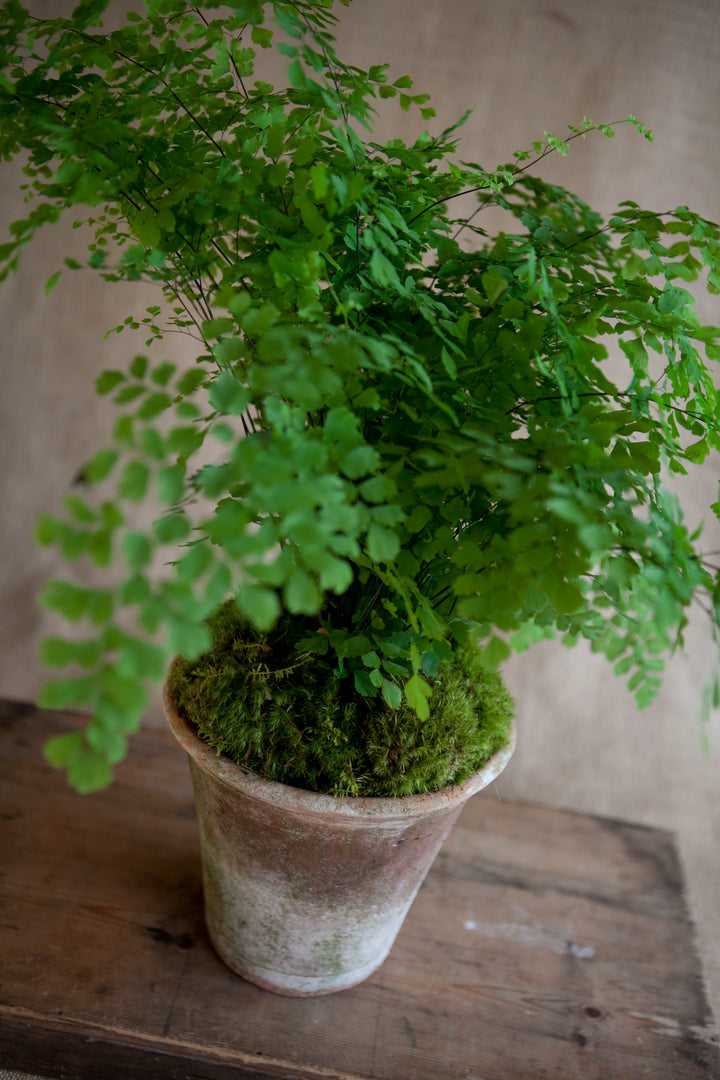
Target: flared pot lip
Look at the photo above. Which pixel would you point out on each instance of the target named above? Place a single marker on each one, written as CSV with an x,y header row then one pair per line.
x,y
257,787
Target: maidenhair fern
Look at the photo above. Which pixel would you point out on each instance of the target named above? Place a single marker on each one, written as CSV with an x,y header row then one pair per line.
x,y
396,424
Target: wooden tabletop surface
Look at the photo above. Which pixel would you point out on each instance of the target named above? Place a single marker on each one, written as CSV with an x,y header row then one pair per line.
x,y
543,944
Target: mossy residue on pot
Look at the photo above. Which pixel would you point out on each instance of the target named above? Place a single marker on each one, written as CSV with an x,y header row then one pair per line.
x,y
289,718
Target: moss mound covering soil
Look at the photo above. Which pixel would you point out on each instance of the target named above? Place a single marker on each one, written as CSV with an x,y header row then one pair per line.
x,y
284,715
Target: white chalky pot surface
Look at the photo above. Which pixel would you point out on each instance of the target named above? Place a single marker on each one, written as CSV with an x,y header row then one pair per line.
x,y
305,893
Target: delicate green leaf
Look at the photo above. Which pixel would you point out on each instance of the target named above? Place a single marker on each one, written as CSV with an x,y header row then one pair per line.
x,y
79,509
336,575
262,36
110,745
163,373
495,284
194,562
171,484
191,380
139,367
623,666
89,768
153,405
52,282
133,481
187,638
296,75
100,547
672,298
301,594
495,653
219,586
417,694
80,692
383,544
184,441
430,664
172,527
124,431
100,466
229,396
448,363
153,444
697,451
137,550
89,771
364,683
48,530
261,606
392,694
88,13
61,750
107,382
227,351
360,461
215,328
58,652
317,643
383,271
76,602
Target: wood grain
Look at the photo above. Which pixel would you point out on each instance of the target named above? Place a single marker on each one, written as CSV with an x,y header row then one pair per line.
x,y
543,944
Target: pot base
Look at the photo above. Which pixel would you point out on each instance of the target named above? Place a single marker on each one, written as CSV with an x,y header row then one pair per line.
x,y
289,985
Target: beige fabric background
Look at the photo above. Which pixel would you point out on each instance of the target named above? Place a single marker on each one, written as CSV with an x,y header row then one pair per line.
x,y
524,66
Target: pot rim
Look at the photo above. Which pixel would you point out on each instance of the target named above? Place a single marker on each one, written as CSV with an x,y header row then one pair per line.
x,y
243,779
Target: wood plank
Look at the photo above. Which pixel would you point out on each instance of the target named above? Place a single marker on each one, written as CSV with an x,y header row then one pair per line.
x,y
543,944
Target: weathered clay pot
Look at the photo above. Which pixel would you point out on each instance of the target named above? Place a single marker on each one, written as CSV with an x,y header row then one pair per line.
x,y
305,893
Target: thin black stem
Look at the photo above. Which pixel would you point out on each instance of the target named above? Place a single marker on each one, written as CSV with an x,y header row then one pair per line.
x,y
605,394
181,103
516,171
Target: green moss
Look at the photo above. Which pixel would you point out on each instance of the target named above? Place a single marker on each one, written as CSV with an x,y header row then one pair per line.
x,y
287,717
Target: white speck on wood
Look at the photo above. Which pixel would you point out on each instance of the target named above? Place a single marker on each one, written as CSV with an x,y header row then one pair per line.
x,y
583,952
535,936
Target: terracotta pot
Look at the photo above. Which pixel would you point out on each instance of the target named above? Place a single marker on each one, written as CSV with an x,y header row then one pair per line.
x,y
305,893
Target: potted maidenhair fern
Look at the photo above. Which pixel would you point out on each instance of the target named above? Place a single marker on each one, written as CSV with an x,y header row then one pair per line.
x,y
399,455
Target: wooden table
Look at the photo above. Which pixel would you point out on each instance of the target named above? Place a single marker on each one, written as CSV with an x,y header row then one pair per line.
x,y
542,945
